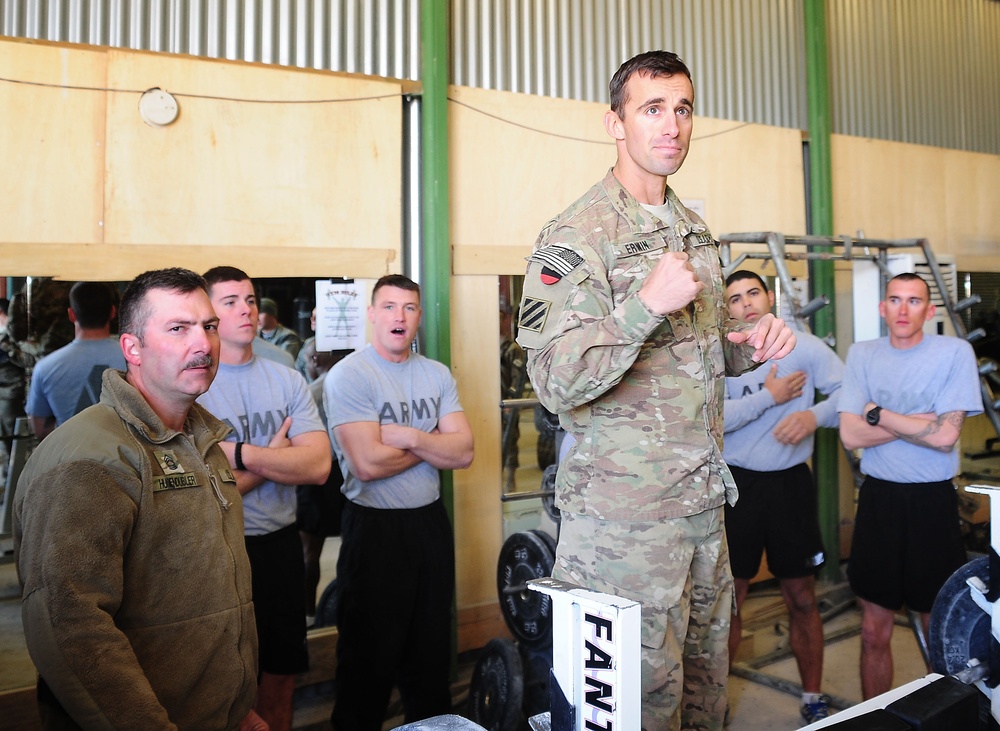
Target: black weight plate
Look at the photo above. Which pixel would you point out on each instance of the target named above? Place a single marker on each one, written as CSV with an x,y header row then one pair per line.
x,y
549,487
528,613
536,663
959,629
496,690
326,607
548,541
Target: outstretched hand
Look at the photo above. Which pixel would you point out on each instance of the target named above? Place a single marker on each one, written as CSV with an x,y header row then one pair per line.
x,y
771,338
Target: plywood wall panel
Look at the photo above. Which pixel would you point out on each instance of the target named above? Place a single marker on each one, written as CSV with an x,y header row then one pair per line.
x,y
475,326
52,137
888,190
518,160
749,176
121,262
970,187
313,189
895,190
272,174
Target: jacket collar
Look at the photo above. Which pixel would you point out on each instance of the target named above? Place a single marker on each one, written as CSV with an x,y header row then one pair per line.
x,y
133,409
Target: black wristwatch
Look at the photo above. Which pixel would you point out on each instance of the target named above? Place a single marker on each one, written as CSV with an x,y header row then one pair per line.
x,y
873,415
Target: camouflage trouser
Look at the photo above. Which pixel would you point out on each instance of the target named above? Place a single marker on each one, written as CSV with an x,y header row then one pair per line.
x,y
679,571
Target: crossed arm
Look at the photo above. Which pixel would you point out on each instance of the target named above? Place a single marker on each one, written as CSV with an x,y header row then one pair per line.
x,y
375,452
934,431
300,460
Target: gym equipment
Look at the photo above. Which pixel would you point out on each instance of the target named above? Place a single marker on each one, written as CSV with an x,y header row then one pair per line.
x,y
496,690
959,628
595,681
22,444
782,249
964,637
537,665
549,493
947,703
450,722
326,607
525,556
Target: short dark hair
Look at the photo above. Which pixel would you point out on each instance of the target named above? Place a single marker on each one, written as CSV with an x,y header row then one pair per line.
x,y
910,277
91,303
741,274
653,64
395,280
134,310
224,274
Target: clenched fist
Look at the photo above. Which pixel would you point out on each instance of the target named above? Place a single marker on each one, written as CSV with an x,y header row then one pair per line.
x,y
671,285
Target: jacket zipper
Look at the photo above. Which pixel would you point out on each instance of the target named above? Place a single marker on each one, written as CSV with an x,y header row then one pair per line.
x,y
215,486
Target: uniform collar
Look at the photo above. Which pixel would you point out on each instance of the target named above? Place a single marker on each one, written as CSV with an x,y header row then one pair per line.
x,y
641,220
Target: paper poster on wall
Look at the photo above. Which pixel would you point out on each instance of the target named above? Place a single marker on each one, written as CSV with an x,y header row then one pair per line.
x,y
340,315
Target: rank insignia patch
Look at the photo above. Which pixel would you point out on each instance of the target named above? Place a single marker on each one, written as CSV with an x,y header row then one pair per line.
x,y
557,262
533,314
168,462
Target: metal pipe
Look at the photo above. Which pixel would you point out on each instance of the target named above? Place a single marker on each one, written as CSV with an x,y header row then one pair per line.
x,y
826,447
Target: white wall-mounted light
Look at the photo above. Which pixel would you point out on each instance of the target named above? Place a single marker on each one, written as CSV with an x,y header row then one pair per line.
x,y
157,107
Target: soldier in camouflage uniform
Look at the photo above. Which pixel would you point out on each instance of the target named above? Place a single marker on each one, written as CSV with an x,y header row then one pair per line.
x,y
622,319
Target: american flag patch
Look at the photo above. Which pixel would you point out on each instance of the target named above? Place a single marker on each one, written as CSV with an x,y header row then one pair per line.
x,y
534,312
558,258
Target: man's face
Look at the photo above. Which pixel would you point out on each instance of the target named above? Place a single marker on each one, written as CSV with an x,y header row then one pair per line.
x,y
747,301
656,123
395,315
179,353
236,305
906,308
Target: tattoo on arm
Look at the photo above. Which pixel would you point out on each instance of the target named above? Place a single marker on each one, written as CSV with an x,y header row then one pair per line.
x,y
954,418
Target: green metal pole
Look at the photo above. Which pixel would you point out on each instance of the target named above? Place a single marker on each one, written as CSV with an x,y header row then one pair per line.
x,y
435,259
821,274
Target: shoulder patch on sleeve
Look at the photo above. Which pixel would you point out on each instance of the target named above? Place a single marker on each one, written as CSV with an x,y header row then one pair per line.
x,y
534,313
556,261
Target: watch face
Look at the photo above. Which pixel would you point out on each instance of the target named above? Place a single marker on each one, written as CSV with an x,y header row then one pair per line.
x,y
872,416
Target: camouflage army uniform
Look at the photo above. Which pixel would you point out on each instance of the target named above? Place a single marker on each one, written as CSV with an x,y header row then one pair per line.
x,y
642,489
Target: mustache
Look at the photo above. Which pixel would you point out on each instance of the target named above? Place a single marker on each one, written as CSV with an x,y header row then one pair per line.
x,y
202,361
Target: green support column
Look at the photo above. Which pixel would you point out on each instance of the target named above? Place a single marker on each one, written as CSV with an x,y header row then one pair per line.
x,y
435,259
821,273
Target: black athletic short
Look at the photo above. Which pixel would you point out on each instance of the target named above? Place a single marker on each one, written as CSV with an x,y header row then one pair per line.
x,y
907,542
776,512
320,507
277,571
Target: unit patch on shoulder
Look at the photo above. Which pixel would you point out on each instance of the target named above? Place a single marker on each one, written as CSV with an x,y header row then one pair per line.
x,y
557,262
533,314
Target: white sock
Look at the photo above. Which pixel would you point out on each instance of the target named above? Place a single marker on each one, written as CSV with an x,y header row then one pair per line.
x,y
810,697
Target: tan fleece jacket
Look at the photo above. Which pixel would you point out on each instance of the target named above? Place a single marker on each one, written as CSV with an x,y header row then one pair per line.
x,y
128,539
